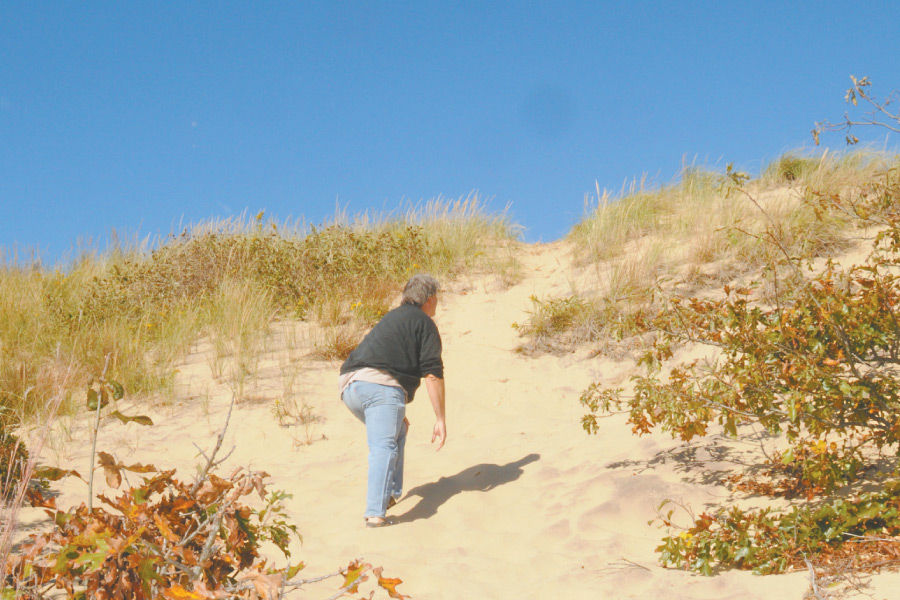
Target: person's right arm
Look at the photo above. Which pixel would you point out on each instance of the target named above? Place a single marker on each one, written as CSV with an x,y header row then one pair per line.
x,y
435,387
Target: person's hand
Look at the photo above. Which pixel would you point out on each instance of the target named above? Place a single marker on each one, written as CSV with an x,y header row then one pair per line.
x,y
406,422
439,434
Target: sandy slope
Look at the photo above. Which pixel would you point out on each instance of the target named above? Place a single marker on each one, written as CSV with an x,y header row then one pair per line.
x,y
520,503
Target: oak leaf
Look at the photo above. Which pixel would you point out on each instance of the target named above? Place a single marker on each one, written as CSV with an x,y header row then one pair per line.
x,y
139,419
355,575
38,500
292,571
267,586
390,584
111,469
139,468
53,473
176,592
212,488
165,529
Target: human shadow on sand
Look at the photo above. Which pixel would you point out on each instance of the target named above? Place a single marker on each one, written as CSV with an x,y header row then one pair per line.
x,y
480,478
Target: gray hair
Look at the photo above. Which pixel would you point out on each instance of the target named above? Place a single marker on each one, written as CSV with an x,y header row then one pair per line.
x,y
419,289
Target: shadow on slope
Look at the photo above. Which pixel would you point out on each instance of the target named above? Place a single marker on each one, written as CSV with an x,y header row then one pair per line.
x,y
479,478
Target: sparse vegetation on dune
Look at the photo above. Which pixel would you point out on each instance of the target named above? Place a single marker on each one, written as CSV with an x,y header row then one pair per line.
x,y
698,234
226,279
804,345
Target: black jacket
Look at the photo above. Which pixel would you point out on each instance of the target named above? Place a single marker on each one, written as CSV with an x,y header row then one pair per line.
x,y
404,343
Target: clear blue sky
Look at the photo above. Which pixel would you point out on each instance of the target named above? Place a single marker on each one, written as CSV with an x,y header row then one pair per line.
x,y
136,116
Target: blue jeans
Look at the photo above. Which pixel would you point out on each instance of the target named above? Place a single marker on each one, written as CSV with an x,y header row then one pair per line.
x,y
382,408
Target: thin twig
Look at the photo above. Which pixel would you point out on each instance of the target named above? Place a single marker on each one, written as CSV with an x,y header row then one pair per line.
x,y
299,582
96,435
210,542
211,459
342,591
632,563
812,579
866,538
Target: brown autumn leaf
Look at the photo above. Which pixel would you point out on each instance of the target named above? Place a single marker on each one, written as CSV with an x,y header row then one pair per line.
x,y
32,549
234,530
158,482
38,500
208,594
188,556
139,419
212,488
111,469
139,468
259,485
165,529
53,473
267,586
181,504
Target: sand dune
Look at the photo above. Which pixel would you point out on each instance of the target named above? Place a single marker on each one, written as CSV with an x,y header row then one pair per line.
x,y
520,503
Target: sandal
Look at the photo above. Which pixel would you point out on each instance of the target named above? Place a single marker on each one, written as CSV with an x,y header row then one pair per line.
x,y
373,524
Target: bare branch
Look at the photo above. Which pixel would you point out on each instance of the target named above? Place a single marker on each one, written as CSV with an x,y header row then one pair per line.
x,y
210,543
879,108
211,459
868,538
812,580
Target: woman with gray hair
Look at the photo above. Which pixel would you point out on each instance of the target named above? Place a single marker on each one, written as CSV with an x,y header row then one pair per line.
x,y
381,376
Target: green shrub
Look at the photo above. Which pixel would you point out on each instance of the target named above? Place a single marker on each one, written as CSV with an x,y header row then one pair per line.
x,y
768,541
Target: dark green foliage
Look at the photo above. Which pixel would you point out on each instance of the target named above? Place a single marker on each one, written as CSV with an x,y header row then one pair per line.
x,y
13,458
335,260
770,542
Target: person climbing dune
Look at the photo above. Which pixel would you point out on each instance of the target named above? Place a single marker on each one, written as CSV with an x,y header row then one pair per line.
x,y
381,376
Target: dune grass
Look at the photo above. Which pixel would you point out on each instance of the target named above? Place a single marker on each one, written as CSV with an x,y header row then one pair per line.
x,y
226,280
699,233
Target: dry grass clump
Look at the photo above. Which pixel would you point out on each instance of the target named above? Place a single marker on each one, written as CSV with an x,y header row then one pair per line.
x,y
558,325
227,280
699,233
826,170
